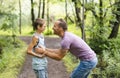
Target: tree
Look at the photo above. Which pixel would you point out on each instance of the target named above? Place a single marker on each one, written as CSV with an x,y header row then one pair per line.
x,y
80,20
82,23
43,10
66,10
48,15
39,9
8,17
20,16
115,23
32,12
77,11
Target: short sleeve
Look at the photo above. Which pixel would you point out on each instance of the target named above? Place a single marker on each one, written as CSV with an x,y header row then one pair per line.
x,y
65,43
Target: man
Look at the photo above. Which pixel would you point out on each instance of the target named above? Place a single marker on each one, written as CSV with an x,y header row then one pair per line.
x,y
75,45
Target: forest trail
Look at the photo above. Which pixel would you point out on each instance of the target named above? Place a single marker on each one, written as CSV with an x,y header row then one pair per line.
x,y
56,69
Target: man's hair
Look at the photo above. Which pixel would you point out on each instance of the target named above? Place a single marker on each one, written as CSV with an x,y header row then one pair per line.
x,y
37,22
62,24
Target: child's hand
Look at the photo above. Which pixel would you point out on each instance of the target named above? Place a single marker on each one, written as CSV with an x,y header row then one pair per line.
x,y
41,55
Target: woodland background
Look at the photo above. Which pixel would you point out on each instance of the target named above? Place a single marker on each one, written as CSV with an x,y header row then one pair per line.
x,y
95,21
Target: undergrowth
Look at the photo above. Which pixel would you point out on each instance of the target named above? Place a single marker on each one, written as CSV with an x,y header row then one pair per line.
x,y
12,57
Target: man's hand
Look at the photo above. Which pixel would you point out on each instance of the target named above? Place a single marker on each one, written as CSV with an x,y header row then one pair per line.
x,y
39,50
43,48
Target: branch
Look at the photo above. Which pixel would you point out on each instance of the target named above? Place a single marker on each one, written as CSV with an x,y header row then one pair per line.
x,y
94,13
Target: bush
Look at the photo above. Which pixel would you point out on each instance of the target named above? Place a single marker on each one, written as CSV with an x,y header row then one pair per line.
x,y
109,57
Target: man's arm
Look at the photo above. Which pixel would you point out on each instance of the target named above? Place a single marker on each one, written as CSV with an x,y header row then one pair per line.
x,y
56,54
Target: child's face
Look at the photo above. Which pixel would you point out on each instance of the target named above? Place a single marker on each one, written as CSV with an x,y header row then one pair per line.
x,y
42,28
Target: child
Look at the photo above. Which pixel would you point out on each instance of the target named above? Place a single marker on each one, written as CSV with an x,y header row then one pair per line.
x,y
39,61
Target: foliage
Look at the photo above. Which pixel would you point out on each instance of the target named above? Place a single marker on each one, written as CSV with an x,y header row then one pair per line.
x,y
109,66
98,28
8,16
8,22
48,32
12,57
70,62
112,70
107,49
74,29
98,44
108,54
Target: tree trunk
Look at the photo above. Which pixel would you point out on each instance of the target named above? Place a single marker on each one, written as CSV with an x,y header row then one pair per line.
x,y
32,12
48,15
66,10
39,8
77,11
82,23
115,28
73,20
43,12
101,18
20,17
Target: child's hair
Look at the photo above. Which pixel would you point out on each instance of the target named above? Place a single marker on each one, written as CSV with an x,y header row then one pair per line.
x,y
38,22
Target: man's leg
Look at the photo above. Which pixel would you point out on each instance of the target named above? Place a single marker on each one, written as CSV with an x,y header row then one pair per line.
x,y
84,68
80,72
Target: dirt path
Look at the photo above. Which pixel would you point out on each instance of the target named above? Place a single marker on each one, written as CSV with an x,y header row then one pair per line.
x,y
56,69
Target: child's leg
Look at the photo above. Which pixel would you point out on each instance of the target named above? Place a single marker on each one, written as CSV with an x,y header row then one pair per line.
x,y
36,73
41,73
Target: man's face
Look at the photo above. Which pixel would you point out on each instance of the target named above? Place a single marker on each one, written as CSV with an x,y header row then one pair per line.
x,y
56,28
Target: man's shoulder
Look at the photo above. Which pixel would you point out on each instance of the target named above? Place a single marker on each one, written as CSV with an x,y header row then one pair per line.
x,y
69,35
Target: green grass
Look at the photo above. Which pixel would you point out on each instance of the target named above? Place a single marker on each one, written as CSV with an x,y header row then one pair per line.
x,y
27,30
70,62
12,57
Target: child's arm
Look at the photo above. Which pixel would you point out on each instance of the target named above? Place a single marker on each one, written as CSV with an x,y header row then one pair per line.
x,y
30,47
